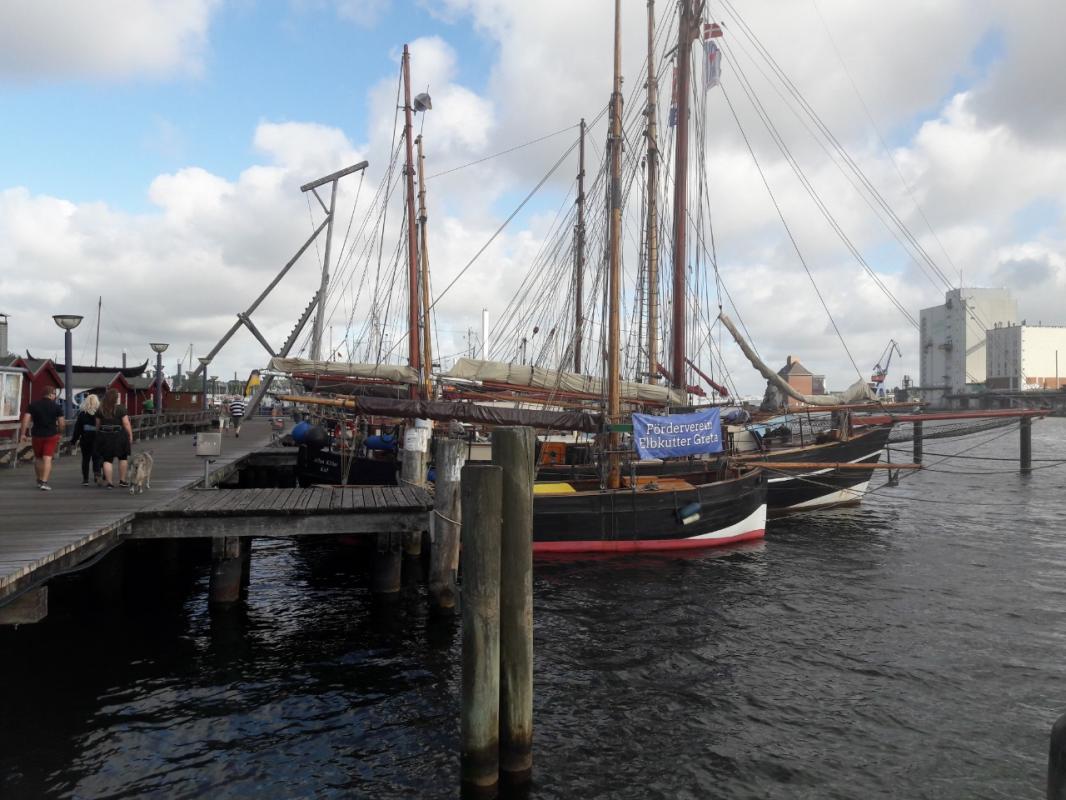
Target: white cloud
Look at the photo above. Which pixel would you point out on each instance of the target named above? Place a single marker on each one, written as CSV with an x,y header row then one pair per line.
x,y
63,39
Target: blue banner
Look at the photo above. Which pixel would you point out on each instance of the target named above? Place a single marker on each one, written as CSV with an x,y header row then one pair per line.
x,y
677,434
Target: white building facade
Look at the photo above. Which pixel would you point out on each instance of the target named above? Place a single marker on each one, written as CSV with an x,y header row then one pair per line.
x,y
1025,357
953,335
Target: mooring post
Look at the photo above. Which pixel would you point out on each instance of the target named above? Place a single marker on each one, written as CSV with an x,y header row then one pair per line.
x,y
447,513
481,499
513,449
388,563
227,568
413,473
1026,449
1056,761
917,442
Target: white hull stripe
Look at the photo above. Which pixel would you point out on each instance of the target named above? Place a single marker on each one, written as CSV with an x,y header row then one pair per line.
x,y
755,521
770,465
835,498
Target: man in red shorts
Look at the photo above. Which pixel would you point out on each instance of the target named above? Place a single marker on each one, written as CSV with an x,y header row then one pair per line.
x,y
48,424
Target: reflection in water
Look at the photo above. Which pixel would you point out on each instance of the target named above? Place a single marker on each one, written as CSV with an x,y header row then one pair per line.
x,y
906,648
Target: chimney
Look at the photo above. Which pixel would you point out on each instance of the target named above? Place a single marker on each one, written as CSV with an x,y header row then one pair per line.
x,y
789,360
3,335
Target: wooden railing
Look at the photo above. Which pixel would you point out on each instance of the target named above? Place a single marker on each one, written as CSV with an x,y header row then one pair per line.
x,y
170,423
145,426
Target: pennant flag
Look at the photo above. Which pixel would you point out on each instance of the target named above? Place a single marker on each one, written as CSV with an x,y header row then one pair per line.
x,y
712,65
711,30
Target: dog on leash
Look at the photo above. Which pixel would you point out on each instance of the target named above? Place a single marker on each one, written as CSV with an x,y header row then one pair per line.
x,y
140,474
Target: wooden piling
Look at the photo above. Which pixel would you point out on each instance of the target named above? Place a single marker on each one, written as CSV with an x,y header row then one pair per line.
x,y
1025,429
447,514
481,500
413,473
388,563
917,443
513,449
227,568
1056,762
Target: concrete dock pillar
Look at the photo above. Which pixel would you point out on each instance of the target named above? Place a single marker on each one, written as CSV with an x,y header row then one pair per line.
x,y
447,516
480,714
1026,445
227,568
514,450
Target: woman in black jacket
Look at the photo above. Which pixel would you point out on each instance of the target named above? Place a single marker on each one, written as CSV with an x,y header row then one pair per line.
x,y
85,435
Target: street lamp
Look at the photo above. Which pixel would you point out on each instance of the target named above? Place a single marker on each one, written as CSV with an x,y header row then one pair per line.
x,y
204,361
68,322
159,348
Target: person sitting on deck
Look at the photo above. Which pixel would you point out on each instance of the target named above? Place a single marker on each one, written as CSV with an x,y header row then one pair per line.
x,y
149,405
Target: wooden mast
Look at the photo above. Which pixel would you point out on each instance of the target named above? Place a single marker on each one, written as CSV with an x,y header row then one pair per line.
x,y
614,472
414,356
652,236
579,254
423,249
687,31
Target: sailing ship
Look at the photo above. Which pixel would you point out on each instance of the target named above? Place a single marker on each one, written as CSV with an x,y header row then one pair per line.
x,y
719,503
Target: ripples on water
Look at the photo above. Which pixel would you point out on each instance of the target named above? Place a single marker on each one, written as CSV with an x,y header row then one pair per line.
x,y
908,648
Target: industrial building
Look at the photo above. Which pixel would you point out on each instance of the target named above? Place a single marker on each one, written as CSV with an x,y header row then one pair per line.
x,y
953,335
1025,356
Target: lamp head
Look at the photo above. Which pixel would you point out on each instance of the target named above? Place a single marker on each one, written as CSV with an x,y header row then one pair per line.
x,y
67,322
159,347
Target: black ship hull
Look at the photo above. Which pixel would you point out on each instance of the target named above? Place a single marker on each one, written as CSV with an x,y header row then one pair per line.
x,y
710,514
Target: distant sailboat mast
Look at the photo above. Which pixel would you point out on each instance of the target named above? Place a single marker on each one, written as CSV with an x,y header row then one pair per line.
x,y
614,472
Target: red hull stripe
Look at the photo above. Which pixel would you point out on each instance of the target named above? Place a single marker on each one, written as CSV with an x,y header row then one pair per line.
x,y
631,546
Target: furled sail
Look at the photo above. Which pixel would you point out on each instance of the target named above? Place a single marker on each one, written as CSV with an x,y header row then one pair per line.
x,y
858,392
539,378
393,373
444,411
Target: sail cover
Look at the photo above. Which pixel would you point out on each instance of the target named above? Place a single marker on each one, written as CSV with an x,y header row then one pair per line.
x,y
393,373
539,378
858,392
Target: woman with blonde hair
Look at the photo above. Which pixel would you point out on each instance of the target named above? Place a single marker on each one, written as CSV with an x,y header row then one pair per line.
x,y
114,437
85,434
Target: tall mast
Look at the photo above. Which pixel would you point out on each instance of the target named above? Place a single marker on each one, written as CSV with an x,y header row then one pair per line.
x,y
652,236
614,472
99,309
423,248
579,254
687,31
414,357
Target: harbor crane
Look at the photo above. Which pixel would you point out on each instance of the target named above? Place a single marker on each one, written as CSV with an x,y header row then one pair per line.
x,y
877,380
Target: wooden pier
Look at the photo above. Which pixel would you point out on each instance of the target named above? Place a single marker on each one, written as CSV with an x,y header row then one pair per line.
x,y
46,534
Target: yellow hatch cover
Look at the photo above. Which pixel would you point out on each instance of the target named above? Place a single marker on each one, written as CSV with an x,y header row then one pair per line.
x,y
553,488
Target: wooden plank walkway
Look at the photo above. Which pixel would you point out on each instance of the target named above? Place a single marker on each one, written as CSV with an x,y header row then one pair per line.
x,y
286,512
44,533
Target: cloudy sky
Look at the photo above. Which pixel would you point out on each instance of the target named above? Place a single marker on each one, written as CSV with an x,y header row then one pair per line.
x,y
151,153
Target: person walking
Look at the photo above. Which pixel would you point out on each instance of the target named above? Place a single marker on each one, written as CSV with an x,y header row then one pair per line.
x,y
114,437
47,421
237,407
85,435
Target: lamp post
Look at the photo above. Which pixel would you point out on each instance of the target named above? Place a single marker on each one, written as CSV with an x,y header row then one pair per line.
x,y
159,348
204,361
68,322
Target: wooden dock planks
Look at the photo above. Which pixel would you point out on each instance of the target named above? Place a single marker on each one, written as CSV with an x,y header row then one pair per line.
x,y
44,533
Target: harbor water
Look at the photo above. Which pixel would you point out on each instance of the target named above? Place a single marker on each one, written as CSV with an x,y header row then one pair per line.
x,y
913,647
